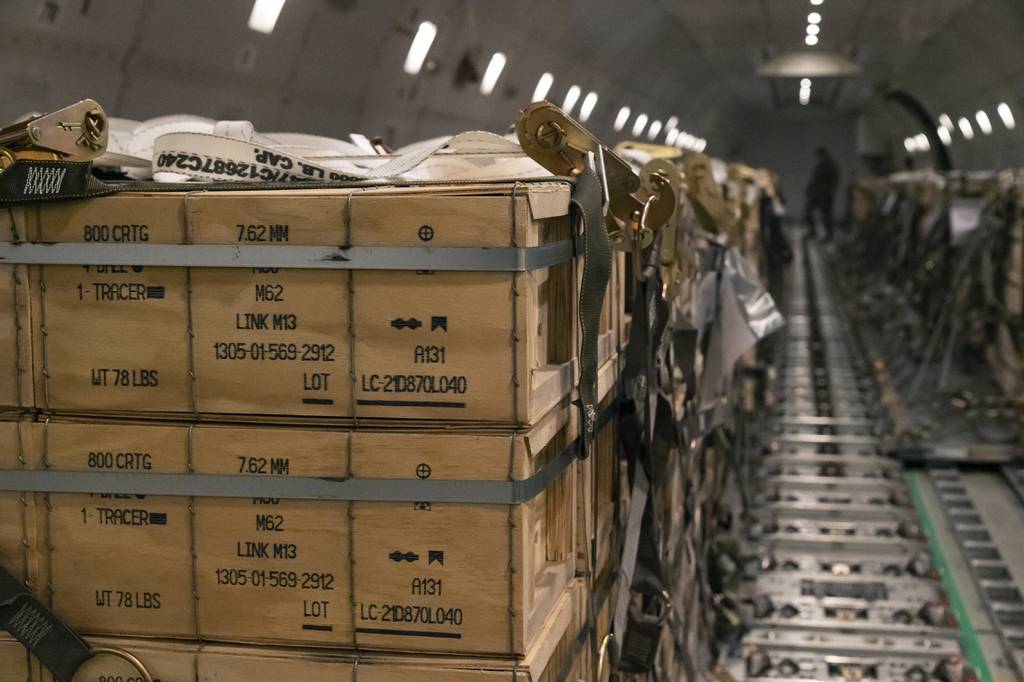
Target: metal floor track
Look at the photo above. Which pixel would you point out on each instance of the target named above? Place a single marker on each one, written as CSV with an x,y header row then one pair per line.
x,y
850,580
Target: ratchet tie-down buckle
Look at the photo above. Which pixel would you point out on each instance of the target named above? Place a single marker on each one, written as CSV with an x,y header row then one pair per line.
x,y
636,205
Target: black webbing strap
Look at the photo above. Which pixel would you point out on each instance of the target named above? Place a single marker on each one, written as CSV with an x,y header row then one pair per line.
x,y
597,267
30,181
57,646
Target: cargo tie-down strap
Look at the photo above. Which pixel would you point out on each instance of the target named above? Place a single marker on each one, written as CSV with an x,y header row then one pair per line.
x,y
329,488
56,645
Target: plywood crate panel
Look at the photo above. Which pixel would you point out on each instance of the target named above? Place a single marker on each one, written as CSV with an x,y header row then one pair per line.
x,y
447,577
452,346
554,654
16,376
17,510
16,665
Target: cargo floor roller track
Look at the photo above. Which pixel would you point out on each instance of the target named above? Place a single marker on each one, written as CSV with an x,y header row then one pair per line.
x,y
852,580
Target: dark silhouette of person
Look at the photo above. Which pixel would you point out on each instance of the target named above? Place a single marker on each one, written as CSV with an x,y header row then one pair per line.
x,y
821,192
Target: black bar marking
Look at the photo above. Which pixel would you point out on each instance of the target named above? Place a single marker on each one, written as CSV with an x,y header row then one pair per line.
x,y
318,628
409,633
408,403
317,401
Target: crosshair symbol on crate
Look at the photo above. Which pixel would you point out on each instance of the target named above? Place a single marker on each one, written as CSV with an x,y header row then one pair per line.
x,y
423,471
426,233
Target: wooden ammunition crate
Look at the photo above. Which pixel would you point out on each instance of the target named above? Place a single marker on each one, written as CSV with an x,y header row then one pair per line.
x,y
16,376
496,347
17,510
557,654
16,665
447,577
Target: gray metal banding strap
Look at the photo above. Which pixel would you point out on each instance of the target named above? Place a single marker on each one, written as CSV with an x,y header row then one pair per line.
x,y
486,259
291,487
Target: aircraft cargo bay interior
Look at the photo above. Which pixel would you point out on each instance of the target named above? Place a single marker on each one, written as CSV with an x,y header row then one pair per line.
x,y
477,341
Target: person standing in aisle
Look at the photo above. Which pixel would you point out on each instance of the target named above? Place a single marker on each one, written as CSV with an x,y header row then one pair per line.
x,y
821,192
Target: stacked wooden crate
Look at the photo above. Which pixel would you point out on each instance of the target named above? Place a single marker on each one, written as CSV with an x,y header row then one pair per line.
x,y
378,374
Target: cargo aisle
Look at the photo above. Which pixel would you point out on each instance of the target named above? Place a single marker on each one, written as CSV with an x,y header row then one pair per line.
x,y
860,574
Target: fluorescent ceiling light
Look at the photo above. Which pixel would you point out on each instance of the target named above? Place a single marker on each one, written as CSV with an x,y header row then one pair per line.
x,y
811,40
965,128
813,18
817,2
621,118
672,136
543,87
946,122
264,15
700,145
570,99
421,43
654,130
922,142
813,29
1007,115
492,73
984,124
639,124
910,145
684,140
944,135
805,83
587,108
672,122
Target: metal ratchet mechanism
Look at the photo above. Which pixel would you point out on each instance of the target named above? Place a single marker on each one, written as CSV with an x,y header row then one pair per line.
x,y
74,133
637,206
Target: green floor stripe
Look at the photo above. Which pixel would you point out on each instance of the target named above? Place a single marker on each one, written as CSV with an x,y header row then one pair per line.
x,y
968,637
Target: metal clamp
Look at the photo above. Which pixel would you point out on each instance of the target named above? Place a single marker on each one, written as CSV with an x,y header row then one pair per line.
x,y
562,145
74,133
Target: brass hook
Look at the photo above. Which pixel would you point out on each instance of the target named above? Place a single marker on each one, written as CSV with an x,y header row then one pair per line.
x,y
130,658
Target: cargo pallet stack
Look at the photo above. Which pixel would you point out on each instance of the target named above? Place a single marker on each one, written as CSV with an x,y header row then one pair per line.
x,y
335,432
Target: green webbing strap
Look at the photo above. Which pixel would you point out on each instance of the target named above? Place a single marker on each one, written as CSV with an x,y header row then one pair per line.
x,y
597,267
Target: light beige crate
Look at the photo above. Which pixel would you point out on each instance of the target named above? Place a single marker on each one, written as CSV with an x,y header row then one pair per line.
x,y
495,347
554,655
16,375
482,580
16,665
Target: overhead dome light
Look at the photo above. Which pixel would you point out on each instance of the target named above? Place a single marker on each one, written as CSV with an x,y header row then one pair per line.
x,y
922,142
813,29
946,122
817,2
805,83
910,145
811,40
965,128
639,125
492,73
813,18
587,108
263,17
654,130
684,141
984,123
420,47
621,118
944,135
672,122
700,145
671,137
543,87
1007,115
570,99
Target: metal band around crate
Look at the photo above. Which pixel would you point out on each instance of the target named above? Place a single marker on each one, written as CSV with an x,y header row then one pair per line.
x,y
326,488
418,258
